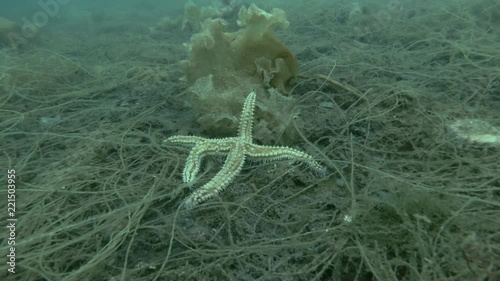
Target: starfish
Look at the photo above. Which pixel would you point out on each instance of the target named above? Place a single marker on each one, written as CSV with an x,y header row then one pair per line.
x,y
237,150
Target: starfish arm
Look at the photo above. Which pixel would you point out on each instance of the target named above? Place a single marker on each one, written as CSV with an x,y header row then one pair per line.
x,y
246,119
200,150
232,167
272,153
185,139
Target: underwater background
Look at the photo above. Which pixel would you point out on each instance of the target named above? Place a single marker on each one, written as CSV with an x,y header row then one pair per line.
x,y
398,100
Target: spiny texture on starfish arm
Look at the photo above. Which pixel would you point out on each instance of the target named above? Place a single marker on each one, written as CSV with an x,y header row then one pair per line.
x,y
276,153
236,149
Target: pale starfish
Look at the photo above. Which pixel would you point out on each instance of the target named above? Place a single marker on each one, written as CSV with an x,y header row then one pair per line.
x,y
237,149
